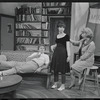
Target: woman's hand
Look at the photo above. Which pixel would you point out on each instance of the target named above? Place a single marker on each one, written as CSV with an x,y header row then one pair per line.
x,y
68,58
52,48
71,40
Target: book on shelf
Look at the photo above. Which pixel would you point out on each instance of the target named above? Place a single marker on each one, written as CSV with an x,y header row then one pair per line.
x,y
54,4
37,17
32,17
34,32
46,41
45,33
61,11
28,18
38,10
62,4
52,10
21,33
48,4
45,25
44,18
44,11
31,26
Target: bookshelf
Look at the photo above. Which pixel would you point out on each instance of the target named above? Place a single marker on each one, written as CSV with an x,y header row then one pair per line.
x,y
27,28
32,24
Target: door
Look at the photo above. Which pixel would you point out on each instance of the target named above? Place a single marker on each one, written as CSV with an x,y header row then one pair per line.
x,y
7,33
54,30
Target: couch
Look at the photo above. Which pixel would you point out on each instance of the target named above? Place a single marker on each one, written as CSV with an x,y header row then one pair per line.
x,y
21,56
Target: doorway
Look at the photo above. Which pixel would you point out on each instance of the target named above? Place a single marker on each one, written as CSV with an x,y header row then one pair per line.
x,y
6,32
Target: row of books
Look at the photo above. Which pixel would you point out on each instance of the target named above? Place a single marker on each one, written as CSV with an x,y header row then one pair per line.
x,y
46,4
27,10
28,25
66,10
28,33
30,47
25,40
30,17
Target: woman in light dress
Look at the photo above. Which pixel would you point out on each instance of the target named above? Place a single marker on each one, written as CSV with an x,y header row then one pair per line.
x,y
86,59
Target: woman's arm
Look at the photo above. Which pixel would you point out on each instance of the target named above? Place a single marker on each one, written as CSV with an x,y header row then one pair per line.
x,y
75,43
29,58
53,47
68,51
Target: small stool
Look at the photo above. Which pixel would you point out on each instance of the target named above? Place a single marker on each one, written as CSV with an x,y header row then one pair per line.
x,y
94,77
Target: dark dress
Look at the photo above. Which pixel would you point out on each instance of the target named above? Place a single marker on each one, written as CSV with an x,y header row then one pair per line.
x,y
59,58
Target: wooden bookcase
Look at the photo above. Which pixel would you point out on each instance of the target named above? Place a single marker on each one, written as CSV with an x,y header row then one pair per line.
x,y
32,26
27,28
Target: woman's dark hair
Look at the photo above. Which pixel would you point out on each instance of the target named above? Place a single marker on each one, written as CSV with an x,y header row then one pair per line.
x,y
61,24
42,45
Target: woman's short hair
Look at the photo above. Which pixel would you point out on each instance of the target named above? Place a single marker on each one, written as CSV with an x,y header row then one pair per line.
x,y
89,32
61,24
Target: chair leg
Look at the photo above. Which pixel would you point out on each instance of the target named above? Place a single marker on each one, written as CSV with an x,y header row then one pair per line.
x,y
96,74
48,81
84,80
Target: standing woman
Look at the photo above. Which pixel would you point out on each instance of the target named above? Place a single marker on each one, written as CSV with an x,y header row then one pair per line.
x,y
61,55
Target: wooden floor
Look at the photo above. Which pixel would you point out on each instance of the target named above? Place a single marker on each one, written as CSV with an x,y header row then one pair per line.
x,y
34,87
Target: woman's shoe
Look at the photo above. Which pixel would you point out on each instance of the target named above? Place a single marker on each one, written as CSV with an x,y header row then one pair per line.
x,y
61,88
71,86
54,86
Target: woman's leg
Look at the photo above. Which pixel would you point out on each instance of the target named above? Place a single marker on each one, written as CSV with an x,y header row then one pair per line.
x,y
8,63
22,67
26,67
62,87
8,72
55,80
72,79
63,78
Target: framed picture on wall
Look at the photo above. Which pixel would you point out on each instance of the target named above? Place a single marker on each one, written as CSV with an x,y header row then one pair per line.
x,y
9,28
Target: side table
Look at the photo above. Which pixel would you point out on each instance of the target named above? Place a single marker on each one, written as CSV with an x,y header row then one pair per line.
x,y
9,83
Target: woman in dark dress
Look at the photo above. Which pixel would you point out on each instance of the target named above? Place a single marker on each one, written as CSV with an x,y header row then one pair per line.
x,y
61,56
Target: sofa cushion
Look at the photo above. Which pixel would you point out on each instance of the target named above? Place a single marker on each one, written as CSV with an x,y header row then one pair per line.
x,y
16,55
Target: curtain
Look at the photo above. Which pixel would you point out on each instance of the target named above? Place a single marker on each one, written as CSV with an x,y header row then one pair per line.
x,y
79,15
